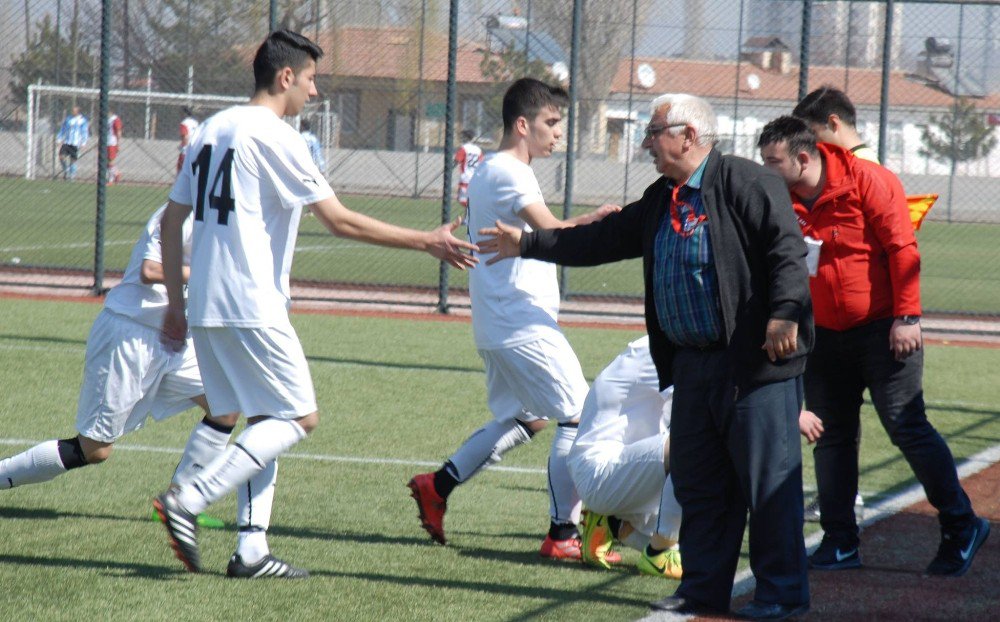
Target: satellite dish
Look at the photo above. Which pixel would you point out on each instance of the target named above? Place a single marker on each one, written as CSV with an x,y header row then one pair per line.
x,y
646,75
753,82
560,71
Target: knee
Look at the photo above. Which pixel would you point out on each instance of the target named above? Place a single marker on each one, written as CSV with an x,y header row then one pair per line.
x,y
535,426
95,452
309,422
228,421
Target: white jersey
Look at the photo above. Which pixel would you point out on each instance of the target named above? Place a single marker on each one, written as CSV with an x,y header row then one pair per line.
x,y
628,404
247,175
516,300
468,157
142,302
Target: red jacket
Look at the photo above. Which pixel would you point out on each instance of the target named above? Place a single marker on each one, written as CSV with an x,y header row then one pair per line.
x,y
869,265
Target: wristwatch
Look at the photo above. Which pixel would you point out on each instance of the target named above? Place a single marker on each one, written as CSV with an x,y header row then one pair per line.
x,y
909,319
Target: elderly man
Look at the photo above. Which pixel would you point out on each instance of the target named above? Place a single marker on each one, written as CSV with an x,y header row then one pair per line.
x,y
730,324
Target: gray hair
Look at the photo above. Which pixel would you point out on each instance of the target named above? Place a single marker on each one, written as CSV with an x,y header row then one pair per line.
x,y
690,110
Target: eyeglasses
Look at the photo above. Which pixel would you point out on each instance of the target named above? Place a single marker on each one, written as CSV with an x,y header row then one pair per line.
x,y
652,131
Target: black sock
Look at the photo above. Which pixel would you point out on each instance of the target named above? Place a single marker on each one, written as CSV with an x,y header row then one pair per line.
x,y
615,524
651,552
71,454
444,482
562,531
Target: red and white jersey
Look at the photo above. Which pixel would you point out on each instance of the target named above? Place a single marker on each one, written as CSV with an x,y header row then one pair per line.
x,y
517,300
142,302
187,128
468,158
247,174
114,129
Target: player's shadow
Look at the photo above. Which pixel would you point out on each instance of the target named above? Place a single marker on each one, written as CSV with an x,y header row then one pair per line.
x,y
593,594
43,339
108,568
393,365
49,514
360,538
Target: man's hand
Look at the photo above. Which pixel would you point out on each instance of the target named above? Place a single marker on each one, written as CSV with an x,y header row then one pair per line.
x,y
810,426
904,339
504,240
445,246
781,339
174,331
598,214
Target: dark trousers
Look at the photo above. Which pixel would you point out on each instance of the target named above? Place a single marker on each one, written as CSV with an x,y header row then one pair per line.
x,y
729,454
841,366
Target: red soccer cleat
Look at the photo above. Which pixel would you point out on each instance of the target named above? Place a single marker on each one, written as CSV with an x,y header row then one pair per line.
x,y
570,549
430,505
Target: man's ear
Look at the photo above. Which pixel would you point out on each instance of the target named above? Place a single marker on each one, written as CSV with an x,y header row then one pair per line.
x,y
285,79
804,158
521,126
834,123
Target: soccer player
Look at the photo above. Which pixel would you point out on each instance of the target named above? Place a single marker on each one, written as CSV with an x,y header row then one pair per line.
x,y
73,135
186,130
620,465
532,373
114,137
247,176
467,158
315,150
129,376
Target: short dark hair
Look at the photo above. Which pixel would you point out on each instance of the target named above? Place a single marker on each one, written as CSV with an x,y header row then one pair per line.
x,y
304,125
282,48
188,111
527,97
467,135
816,107
790,130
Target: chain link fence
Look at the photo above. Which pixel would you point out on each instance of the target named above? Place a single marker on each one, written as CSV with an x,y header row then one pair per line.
x,y
389,128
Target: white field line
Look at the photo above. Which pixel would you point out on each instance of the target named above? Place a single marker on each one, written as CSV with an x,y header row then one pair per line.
x,y
874,513
153,449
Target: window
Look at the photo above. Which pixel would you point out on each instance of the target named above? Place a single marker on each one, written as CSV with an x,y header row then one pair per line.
x,y
349,110
472,116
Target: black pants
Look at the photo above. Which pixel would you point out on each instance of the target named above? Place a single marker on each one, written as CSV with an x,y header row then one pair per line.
x,y
729,454
841,366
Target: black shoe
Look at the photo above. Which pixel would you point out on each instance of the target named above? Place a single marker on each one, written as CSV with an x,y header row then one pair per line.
x,y
182,528
833,555
268,566
684,606
756,610
956,551
811,513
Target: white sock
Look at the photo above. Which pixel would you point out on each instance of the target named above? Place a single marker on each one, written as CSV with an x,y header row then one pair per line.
x,y
486,446
38,464
258,445
252,546
253,513
564,502
203,446
668,523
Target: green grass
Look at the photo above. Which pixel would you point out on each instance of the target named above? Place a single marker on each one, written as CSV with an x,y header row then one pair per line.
x,y
51,223
83,547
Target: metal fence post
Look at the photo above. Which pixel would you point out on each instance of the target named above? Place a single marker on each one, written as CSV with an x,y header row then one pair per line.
x,y
272,16
574,72
449,144
883,106
804,48
102,148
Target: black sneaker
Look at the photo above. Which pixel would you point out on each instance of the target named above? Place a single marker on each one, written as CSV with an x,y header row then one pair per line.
x,y
811,513
268,566
834,556
182,528
956,551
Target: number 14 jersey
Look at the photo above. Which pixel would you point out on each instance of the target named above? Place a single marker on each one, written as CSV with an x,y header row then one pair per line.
x,y
247,174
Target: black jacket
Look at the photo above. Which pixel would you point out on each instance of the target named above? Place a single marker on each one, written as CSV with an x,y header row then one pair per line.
x,y
759,259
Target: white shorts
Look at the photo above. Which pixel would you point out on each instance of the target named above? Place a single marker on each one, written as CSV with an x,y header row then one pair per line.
x,y
623,480
129,376
541,379
255,371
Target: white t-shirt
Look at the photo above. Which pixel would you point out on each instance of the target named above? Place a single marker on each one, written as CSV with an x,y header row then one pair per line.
x,y
468,157
142,302
514,301
631,383
246,227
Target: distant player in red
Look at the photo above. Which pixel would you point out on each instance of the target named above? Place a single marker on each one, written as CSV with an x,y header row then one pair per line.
x,y
468,157
114,136
188,125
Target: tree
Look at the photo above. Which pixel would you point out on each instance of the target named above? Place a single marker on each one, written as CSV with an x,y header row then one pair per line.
x,y
503,68
605,33
38,62
959,135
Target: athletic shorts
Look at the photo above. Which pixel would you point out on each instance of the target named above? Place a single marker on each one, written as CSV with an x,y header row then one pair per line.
x,y
541,379
618,479
255,371
463,194
129,375
112,152
70,151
